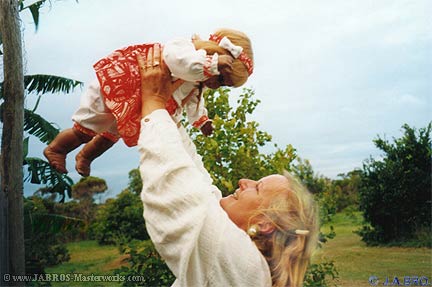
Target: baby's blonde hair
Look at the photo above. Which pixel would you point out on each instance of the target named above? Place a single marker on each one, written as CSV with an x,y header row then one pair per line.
x,y
287,253
239,74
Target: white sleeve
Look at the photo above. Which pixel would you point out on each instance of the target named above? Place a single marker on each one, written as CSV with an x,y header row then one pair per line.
x,y
190,230
197,159
187,63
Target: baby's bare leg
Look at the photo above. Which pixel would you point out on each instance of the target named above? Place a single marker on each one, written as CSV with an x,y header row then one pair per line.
x,y
93,149
65,142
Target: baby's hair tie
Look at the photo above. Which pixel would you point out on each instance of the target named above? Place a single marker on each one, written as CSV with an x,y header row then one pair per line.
x,y
236,51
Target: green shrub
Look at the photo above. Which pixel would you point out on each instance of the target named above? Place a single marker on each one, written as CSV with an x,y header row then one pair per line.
x,y
395,191
120,220
144,261
318,275
42,236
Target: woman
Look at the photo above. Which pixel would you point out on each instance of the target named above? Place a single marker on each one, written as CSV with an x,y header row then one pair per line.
x,y
262,235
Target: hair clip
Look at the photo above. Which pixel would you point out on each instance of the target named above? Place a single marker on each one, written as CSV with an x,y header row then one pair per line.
x,y
301,232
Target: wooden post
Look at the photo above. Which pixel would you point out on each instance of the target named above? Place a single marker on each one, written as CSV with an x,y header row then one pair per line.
x,y
12,145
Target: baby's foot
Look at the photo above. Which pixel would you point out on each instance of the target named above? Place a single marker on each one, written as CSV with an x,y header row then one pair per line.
x,y
82,165
56,159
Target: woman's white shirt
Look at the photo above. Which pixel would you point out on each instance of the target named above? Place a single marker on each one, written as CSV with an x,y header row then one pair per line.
x,y
190,230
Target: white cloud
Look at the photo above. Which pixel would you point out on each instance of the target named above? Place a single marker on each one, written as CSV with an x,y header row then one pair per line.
x,y
408,99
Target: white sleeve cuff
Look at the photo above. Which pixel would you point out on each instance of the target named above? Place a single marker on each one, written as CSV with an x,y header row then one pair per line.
x,y
160,115
211,66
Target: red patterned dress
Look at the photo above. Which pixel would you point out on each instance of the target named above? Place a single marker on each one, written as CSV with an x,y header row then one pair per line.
x,y
120,88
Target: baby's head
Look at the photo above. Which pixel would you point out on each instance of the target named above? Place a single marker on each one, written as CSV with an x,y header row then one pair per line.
x,y
242,66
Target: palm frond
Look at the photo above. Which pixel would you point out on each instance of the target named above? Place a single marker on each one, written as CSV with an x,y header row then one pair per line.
x,y
36,125
42,84
52,223
34,10
49,84
40,172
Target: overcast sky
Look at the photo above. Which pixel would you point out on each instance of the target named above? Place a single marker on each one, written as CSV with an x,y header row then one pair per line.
x,y
331,75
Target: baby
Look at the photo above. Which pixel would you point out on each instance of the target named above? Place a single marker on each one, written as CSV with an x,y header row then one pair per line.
x,y
110,108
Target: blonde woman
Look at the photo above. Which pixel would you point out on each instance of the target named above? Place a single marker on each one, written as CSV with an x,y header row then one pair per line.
x,y
261,235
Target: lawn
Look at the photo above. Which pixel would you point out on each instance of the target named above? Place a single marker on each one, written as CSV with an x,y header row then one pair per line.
x,y
87,258
354,261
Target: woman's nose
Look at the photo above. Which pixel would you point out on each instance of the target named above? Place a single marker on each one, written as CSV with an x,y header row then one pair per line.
x,y
244,183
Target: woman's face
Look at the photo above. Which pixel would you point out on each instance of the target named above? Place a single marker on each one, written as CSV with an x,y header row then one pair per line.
x,y
251,195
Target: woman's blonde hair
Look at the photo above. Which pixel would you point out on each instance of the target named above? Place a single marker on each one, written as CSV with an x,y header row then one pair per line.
x,y
288,253
239,74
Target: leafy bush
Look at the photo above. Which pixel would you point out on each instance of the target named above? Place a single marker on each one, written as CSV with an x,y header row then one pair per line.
x,y
120,220
78,211
144,261
317,274
42,234
233,151
395,191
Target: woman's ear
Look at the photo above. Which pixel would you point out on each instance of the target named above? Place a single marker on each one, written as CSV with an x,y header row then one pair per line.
x,y
266,227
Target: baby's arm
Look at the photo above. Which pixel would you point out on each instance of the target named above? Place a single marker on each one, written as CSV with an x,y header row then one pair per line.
x,y
187,63
197,114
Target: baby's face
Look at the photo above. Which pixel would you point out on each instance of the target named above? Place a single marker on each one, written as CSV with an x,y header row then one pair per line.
x,y
223,79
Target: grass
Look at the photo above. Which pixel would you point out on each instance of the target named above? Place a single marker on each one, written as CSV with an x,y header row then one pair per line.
x,y
87,257
354,261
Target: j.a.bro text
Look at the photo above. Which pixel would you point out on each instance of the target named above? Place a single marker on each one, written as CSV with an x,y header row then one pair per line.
x,y
400,281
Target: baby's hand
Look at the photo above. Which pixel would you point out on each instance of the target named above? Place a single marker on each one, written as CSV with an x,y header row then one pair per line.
x,y
225,63
207,128
196,38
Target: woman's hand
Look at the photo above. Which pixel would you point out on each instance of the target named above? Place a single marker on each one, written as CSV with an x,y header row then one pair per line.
x,y
156,82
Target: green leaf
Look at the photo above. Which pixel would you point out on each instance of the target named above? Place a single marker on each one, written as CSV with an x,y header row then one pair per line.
x,y
25,147
34,10
36,125
40,172
53,223
42,84
21,5
49,84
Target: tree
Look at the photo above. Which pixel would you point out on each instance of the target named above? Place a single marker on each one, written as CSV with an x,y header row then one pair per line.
x,y
11,194
87,187
345,189
14,149
304,171
84,191
395,194
120,220
233,151
44,232
39,170
135,183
